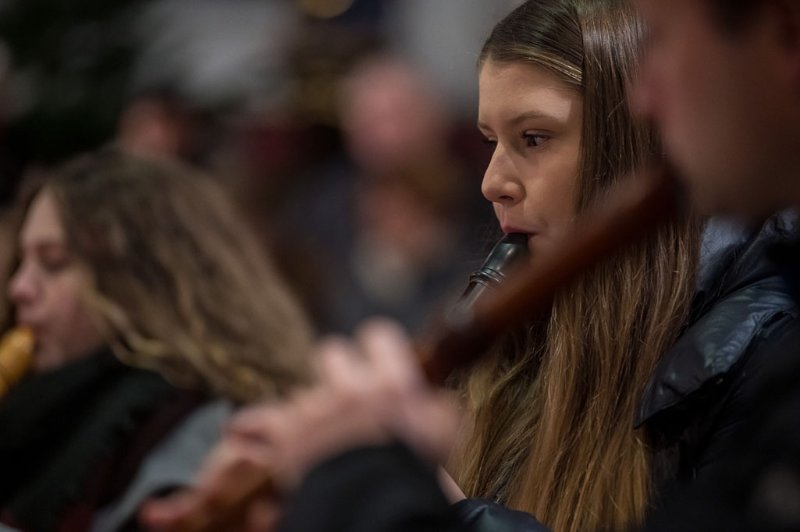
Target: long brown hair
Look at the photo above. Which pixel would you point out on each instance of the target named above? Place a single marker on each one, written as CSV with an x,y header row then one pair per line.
x,y
551,412
179,283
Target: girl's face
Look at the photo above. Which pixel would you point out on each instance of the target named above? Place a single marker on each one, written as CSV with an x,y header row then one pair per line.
x,y
48,287
533,121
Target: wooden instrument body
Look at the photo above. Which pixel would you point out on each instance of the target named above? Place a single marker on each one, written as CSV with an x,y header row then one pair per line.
x,y
16,357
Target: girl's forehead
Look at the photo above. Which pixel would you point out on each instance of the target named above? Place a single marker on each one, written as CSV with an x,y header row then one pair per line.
x,y
42,221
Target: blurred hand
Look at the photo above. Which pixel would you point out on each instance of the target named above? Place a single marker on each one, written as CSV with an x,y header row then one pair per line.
x,y
230,488
368,393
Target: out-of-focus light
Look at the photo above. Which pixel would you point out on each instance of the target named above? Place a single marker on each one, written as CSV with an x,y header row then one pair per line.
x,y
325,8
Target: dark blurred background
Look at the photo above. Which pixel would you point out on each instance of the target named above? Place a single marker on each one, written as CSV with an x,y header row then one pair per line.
x,y
344,129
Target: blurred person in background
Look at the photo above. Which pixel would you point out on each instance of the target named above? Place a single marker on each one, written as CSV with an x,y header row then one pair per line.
x,y
160,123
153,125
389,219
86,69
154,315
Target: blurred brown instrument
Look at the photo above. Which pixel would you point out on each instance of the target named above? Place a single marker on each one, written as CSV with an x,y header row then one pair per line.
x,y
16,356
629,214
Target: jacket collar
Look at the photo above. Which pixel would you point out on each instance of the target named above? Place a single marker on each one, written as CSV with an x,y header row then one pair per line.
x,y
740,291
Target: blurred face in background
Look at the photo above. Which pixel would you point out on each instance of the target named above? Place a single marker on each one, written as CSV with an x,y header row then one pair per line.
x,y
533,121
726,102
47,289
390,115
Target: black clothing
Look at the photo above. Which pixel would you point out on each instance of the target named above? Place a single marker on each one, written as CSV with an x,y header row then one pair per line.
x,y
389,489
756,484
704,386
372,489
71,439
487,516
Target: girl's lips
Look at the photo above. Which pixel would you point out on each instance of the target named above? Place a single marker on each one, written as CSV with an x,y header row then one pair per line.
x,y
507,229
529,234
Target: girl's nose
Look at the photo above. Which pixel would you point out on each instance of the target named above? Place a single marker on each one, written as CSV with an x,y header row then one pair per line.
x,y
23,287
500,182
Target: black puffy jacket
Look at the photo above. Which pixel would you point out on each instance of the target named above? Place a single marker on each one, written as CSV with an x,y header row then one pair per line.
x,y
754,484
704,387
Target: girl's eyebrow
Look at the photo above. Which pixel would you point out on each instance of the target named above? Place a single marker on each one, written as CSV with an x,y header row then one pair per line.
x,y
521,118
45,244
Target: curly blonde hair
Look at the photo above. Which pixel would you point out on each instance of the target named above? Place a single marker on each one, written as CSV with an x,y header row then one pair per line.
x,y
179,284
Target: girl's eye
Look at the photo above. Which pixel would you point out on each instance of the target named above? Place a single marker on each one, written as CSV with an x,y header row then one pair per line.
x,y
55,265
533,140
54,262
491,144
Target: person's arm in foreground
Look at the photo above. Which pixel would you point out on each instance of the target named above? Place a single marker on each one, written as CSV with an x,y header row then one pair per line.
x,y
355,452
